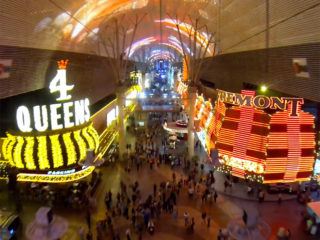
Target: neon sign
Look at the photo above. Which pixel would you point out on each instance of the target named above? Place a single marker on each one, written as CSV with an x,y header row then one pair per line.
x,y
262,102
55,116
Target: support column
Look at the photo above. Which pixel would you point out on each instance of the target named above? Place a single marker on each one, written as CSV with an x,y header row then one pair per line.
x,y
192,100
120,91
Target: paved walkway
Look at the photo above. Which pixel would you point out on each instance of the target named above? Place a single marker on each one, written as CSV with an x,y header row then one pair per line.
x,y
229,206
238,190
222,212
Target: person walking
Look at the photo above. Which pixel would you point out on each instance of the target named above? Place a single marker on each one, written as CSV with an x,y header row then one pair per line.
x,y
245,217
225,185
215,196
203,217
81,233
88,218
89,236
173,177
192,225
186,218
261,196
128,234
133,218
209,221
154,190
280,198
220,235
175,214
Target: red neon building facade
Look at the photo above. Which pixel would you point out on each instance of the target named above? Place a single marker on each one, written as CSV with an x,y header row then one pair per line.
x,y
277,147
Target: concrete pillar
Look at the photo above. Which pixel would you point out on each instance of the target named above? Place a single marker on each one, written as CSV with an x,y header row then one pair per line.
x,y
192,100
120,91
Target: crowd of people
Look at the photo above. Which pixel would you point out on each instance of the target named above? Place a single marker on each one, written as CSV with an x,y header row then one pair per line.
x,y
145,213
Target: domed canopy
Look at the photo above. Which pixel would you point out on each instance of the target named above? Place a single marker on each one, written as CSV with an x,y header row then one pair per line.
x,y
97,26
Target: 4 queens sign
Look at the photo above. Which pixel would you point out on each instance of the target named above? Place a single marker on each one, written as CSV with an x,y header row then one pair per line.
x,y
63,114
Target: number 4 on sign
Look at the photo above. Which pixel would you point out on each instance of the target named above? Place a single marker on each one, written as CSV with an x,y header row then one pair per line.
x,y
59,84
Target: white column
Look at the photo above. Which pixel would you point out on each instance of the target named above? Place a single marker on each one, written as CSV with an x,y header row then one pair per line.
x,y
121,128
192,99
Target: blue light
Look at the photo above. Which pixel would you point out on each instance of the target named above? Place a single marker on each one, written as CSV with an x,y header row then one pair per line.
x,y
317,167
11,232
142,95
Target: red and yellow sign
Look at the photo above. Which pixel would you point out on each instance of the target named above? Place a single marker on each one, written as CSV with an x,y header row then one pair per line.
x,y
279,147
258,137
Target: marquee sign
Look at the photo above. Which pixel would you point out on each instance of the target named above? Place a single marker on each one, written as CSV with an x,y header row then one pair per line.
x,y
55,116
54,139
262,102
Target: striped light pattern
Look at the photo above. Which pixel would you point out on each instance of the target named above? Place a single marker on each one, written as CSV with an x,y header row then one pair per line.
x,y
56,151
50,151
17,152
42,153
215,124
291,146
89,139
243,138
278,147
28,153
241,135
71,151
7,148
93,133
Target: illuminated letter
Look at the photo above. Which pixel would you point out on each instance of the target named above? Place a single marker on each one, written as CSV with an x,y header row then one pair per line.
x,y
79,112
220,98
23,119
86,109
295,104
55,116
243,99
59,84
37,118
257,102
67,114
230,98
277,103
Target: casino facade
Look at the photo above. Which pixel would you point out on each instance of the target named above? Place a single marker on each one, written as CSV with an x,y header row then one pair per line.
x,y
259,138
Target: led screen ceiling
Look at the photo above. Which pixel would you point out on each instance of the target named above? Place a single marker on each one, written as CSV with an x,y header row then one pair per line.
x,y
83,26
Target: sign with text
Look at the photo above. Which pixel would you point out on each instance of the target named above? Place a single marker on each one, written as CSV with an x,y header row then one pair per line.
x,y
262,102
60,115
